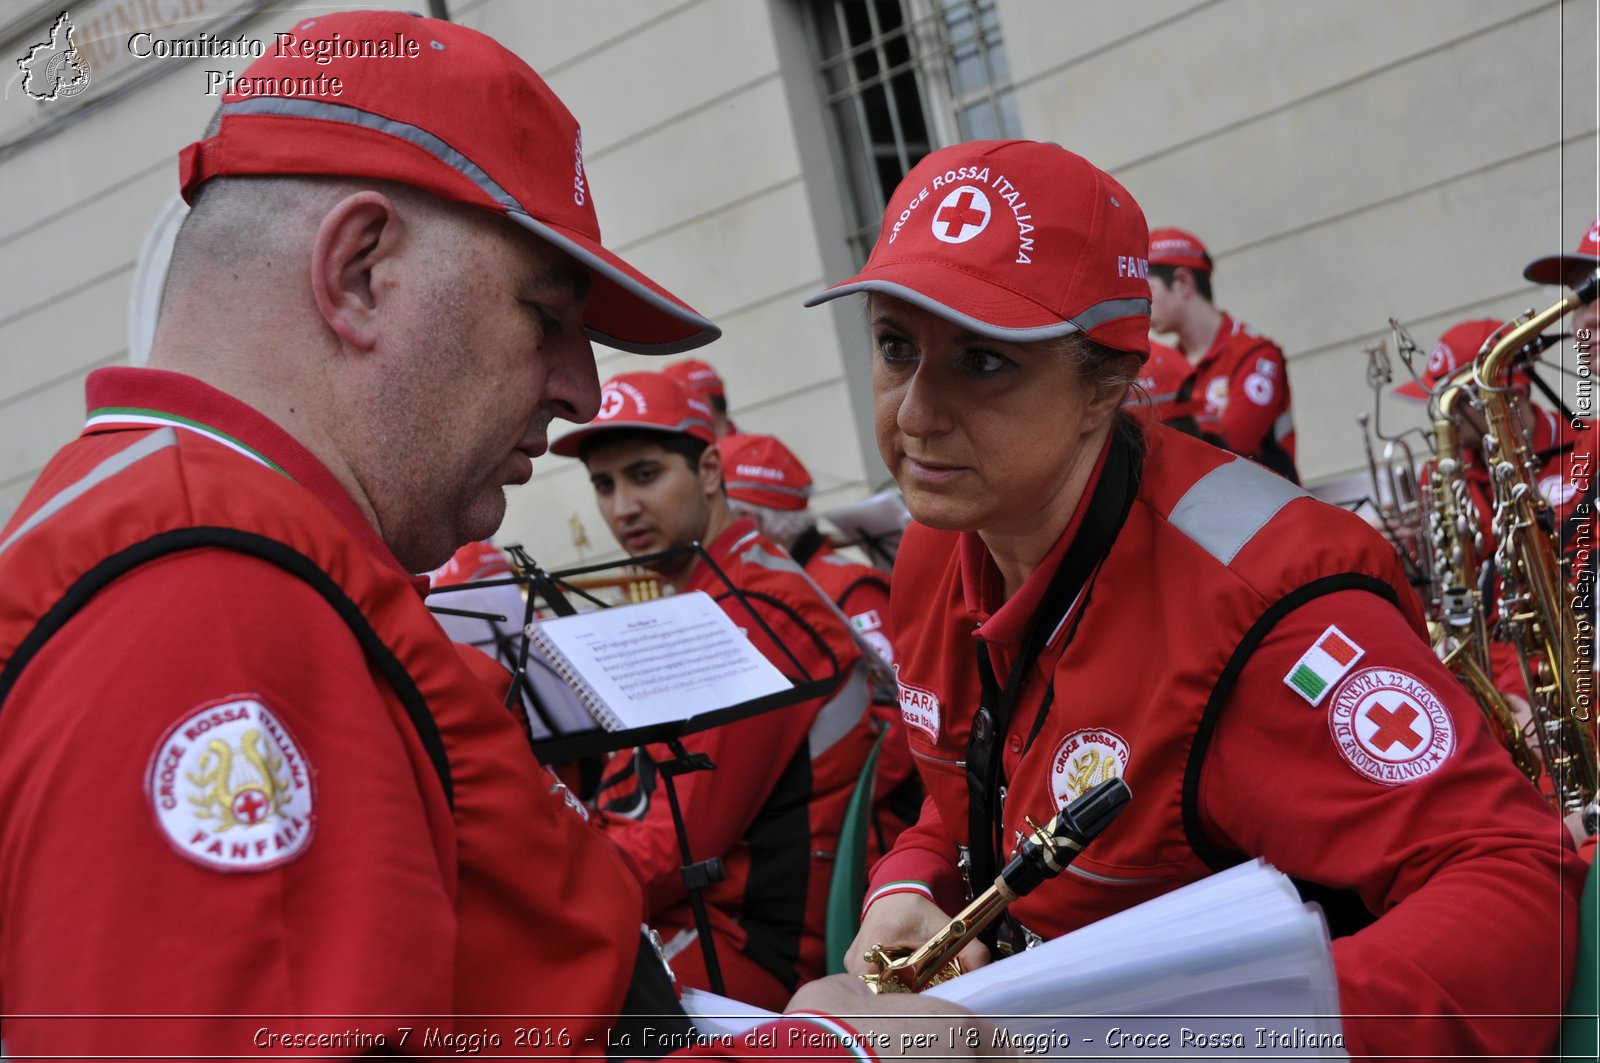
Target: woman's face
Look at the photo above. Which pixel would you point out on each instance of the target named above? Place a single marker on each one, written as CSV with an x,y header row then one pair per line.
x,y
981,435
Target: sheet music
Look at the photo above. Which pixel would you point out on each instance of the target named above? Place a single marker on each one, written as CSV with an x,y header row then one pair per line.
x,y
1235,965
657,661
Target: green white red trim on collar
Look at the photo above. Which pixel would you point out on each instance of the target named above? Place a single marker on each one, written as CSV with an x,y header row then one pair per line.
x,y
108,415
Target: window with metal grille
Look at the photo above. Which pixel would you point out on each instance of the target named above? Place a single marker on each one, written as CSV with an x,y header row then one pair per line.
x,y
901,78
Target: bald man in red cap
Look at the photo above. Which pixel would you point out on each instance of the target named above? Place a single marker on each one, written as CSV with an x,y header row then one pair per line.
x,y
1236,394
243,772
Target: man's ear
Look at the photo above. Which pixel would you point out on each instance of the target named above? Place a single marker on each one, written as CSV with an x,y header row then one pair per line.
x,y
357,236
1183,281
711,471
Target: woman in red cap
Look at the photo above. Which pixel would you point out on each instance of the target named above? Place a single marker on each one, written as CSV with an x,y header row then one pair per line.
x,y
1084,594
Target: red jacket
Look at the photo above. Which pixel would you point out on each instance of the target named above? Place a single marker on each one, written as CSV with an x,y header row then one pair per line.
x,y
228,604
1229,755
1237,396
862,593
772,807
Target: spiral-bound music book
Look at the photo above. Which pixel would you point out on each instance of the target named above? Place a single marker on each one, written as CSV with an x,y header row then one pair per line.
x,y
654,662
1236,962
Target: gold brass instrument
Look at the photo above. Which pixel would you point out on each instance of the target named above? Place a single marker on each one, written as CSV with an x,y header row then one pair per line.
x,y
1535,609
1457,619
1044,853
1431,519
1399,501
1397,496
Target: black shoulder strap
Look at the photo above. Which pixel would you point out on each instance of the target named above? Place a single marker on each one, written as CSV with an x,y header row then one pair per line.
x,y
1106,511
1344,911
267,549
806,545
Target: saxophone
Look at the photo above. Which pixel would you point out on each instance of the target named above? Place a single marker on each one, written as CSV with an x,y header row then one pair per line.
x,y
1431,519
1457,620
1536,605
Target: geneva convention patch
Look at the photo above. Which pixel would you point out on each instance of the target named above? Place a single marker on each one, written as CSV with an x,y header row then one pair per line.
x,y
1390,726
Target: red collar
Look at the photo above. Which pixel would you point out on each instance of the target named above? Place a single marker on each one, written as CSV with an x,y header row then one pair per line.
x,y
1225,330
735,535
1006,623
120,398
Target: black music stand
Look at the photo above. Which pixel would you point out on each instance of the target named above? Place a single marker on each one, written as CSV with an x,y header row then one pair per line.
x,y
554,588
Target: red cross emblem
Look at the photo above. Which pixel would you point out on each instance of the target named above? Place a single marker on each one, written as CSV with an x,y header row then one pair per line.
x,y
962,210
1394,727
1390,726
961,213
249,806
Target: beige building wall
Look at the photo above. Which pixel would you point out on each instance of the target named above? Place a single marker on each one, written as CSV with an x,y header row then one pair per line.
x,y
1345,161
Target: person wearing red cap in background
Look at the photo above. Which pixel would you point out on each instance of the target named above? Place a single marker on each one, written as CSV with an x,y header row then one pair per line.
x,y
1571,270
768,484
782,779
1044,608
244,772
1550,448
699,377
1160,379
1236,393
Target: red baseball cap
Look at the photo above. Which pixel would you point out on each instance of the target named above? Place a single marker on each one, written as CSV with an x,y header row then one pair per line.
x,y
397,97
653,402
697,376
474,561
762,471
1174,247
1016,240
1569,270
1457,347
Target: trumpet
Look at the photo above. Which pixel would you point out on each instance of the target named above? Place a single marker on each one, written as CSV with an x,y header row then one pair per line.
x,y
1044,853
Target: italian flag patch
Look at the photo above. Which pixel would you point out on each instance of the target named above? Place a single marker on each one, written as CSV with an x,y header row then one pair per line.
x,y
1323,665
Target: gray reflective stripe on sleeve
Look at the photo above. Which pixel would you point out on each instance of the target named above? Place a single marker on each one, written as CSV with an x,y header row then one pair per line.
x,y
150,444
759,555
842,712
1282,426
1225,508
844,562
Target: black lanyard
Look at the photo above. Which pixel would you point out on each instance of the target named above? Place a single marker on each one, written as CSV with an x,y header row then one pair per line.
x,y
1108,508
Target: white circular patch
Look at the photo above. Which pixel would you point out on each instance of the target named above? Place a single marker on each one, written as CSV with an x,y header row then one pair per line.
x,y
1085,759
1557,489
1258,389
962,214
231,788
1217,393
611,401
1390,726
885,648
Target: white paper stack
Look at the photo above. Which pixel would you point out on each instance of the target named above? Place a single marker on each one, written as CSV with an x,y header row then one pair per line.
x,y
1233,966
